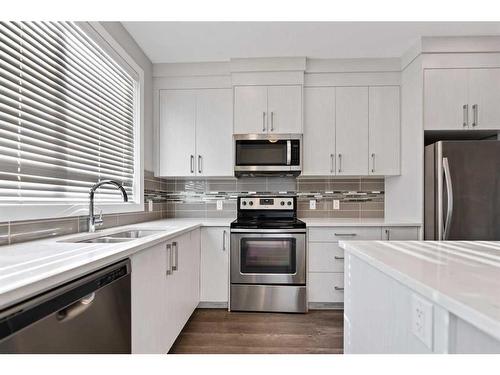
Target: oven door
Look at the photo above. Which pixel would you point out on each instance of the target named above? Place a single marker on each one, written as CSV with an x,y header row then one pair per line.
x,y
268,258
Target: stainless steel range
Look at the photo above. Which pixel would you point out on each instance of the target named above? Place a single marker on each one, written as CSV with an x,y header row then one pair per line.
x,y
268,255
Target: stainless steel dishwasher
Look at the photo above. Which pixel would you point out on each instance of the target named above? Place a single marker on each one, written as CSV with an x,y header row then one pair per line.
x,y
88,315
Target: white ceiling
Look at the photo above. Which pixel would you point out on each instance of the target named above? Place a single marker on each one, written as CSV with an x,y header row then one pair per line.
x,y
219,41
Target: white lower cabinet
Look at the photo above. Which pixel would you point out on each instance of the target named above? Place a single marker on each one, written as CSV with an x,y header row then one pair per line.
x,y
165,292
325,277
214,283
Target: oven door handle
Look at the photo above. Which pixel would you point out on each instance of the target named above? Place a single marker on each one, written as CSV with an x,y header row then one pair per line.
x,y
268,231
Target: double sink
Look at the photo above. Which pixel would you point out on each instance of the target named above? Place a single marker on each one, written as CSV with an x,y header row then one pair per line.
x,y
125,236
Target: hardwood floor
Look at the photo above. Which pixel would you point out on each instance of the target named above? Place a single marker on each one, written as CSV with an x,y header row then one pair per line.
x,y
213,331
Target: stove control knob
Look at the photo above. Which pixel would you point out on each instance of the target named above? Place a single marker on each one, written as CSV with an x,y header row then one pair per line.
x,y
289,203
282,203
250,203
244,203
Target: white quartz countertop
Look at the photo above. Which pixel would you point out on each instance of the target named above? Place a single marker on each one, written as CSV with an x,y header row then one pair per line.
x,y
29,268
340,222
461,276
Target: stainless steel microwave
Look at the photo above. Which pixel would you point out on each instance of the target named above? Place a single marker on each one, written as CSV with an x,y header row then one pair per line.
x,y
267,154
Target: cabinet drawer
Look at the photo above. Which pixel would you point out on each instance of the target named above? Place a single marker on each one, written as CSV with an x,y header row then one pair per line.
x,y
325,257
400,233
324,287
334,234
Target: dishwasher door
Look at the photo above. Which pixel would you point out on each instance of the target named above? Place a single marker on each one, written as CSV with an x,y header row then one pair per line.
x,y
89,315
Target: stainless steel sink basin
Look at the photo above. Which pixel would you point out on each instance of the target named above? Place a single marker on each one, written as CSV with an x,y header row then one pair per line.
x,y
134,233
128,235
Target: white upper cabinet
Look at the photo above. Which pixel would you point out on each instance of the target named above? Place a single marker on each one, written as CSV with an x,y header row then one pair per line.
x,y
351,122
250,109
461,99
484,98
319,131
445,99
267,109
284,109
214,132
191,123
177,132
384,131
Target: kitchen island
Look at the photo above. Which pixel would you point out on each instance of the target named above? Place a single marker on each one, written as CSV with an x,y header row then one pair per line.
x,y
422,297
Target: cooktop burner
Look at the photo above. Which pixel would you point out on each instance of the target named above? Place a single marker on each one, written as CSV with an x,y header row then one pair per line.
x,y
268,224
267,212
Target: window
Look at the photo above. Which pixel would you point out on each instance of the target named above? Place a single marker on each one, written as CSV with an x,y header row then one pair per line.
x,y
68,118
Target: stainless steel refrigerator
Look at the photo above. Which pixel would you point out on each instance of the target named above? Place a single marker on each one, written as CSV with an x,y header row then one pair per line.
x,y
462,190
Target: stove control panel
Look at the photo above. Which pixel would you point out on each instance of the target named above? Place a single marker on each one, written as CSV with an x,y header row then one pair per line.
x,y
266,203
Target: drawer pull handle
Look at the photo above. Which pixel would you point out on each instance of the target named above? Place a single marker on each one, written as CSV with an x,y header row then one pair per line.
x,y
345,234
339,258
339,288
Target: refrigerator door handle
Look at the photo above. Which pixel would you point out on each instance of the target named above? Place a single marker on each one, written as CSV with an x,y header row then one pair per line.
x,y
449,191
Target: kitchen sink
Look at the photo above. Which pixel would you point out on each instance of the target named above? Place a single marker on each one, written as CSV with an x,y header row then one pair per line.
x,y
125,236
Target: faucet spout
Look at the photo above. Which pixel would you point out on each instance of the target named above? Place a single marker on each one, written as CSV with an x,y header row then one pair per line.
x,y
92,220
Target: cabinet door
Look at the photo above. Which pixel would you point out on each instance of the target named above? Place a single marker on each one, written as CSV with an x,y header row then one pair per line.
x,y
319,131
445,95
250,109
351,113
149,301
177,132
400,233
384,131
284,105
182,285
214,129
214,264
484,98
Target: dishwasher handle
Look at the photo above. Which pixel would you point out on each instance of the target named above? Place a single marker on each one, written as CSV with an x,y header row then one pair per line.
x,y
75,309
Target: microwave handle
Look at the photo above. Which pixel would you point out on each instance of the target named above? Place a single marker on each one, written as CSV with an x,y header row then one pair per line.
x,y
288,152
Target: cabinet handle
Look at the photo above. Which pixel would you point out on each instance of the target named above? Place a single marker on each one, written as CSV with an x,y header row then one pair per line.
x,y
340,163
272,121
338,258
223,240
175,249
331,163
465,114
339,288
192,163
345,234
170,260
373,162
388,234
200,159
474,115
263,121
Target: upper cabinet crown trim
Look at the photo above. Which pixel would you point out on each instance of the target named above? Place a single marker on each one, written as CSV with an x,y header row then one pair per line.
x,y
353,65
268,64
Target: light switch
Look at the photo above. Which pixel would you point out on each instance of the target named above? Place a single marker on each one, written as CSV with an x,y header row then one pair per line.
x,y
150,205
219,205
312,204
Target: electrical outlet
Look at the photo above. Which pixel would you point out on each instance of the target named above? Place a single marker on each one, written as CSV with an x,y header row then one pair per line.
x,y
150,205
312,204
219,205
422,320
336,204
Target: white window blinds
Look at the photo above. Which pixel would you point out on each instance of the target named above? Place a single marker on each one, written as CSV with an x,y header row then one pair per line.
x,y
67,116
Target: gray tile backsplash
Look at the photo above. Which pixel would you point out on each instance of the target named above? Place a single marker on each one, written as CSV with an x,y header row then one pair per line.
x,y
359,197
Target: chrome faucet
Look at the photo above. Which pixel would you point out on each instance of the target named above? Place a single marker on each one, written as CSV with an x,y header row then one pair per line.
x,y
92,220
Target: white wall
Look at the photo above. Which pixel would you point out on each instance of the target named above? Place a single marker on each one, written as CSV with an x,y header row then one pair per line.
x,y
121,35
404,194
